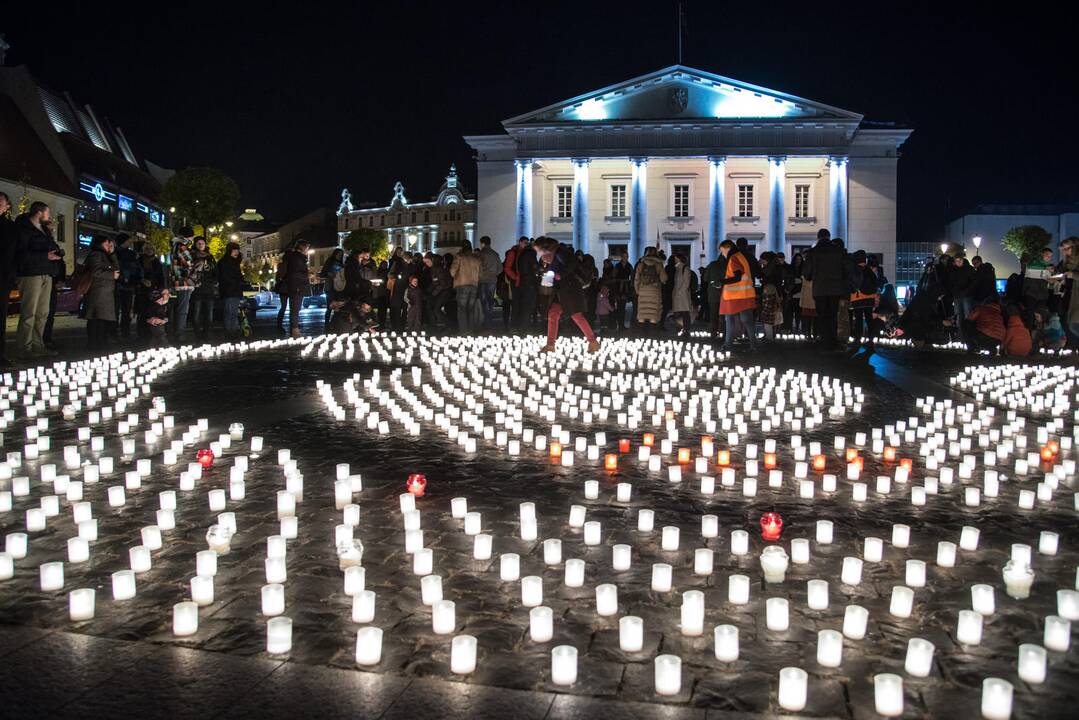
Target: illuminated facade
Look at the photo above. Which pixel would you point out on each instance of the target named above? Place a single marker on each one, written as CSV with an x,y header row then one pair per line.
x,y
683,159
440,225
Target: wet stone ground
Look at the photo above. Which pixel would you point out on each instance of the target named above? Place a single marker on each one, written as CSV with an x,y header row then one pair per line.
x,y
127,662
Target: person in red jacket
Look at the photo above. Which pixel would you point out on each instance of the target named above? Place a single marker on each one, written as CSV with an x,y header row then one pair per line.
x,y
1017,341
983,328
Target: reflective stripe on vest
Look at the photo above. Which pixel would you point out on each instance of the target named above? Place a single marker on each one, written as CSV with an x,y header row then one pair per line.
x,y
742,289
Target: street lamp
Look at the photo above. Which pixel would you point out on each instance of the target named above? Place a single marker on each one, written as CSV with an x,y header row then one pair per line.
x,y
977,241
943,248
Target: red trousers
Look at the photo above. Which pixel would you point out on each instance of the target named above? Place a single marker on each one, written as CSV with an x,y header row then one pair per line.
x,y
554,314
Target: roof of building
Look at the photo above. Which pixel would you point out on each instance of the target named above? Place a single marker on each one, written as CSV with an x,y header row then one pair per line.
x,y
1022,209
24,157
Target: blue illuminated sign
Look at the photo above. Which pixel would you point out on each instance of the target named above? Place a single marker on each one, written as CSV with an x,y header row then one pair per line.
x,y
85,240
155,216
124,202
100,193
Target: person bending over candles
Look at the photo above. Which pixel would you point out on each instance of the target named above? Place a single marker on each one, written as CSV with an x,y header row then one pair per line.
x,y
568,279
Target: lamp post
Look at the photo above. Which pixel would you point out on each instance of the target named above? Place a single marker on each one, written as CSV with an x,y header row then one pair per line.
x,y
977,241
943,248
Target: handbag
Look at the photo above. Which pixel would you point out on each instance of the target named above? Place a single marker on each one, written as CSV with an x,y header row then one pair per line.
x,y
81,280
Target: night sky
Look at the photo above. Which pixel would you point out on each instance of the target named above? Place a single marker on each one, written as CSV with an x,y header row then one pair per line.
x,y
296,100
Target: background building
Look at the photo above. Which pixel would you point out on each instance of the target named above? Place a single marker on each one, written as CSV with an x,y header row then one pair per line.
x,y
65,153
318,227
684,159
991,221
439,225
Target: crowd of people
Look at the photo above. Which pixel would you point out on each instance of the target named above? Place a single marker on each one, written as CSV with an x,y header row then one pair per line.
x,y
826,293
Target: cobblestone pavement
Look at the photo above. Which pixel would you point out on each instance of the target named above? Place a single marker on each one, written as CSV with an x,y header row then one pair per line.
x,y
127,662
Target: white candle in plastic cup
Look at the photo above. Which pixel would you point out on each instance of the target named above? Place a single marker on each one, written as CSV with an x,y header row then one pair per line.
x,y
817,594
564,665
621,557
777,614
206,563
996,699
541,624
983,599
185,619
531,591
463,654
668,674
443,617
1057,635
902,602
851,574
739,542
855,619
692,613
888,694
738,589
363,605
645,520
81,604
369,646
273,599
509,567
1068,603
606,600
793,688
726,643
702,561
278,635
969,629
829,648
919,660
630,633
202,590
824,532
946,554
1032,663
574,576
661,577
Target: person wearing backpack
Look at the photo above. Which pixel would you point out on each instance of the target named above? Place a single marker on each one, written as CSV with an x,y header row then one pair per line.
x,y
648,281
863,298
568,281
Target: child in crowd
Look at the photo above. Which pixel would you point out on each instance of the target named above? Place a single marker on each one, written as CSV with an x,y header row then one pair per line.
x,y
414,299
354,316
157,316
1048,332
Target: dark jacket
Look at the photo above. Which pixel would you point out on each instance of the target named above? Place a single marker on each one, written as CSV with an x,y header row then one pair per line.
x,y
9,235
713,279
130,268
490,265
961,281
616,279
825,264
441,281
528,268
204,273
568,287
100,299
151,274
230,277
294,277
32,248
984,284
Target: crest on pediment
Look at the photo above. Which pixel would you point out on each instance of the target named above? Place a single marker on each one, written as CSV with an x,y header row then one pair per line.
x,y
677,99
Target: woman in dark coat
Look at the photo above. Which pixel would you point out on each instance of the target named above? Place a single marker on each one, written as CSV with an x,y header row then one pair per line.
x,y
204,275
293,280
568,281
230,281
100,299
334,264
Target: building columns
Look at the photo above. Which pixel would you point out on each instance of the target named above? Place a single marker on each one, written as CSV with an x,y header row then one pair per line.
x,y
524,198
837,197
717,174
580,204
777,211
638,214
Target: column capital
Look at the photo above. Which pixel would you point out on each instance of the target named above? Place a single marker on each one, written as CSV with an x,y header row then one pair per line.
x,y
777,159
580,162
639,160
523,162
838,160
717,159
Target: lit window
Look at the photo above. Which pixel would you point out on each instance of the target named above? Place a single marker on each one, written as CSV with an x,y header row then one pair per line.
x,y
618,201
564,201
801,201
681,201
745,201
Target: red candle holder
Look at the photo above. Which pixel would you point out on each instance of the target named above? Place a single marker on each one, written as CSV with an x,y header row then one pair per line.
x,y
610,462
819,463
1054,446
852,453
889,454
205,457
623,445
723,458
648,439
555,450
1047,454
771,526
907,464
416,484
769,461
683,455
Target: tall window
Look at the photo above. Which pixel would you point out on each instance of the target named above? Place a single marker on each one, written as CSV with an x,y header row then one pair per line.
x,y
346,223
745,201
801,201
427,216
381,219
413,216
618,201
681,201
564,201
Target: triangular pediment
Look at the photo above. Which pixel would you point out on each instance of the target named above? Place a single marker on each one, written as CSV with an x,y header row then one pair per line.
x,y
681,94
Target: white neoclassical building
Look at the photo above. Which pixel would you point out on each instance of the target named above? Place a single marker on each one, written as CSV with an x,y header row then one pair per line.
x,y
683,159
